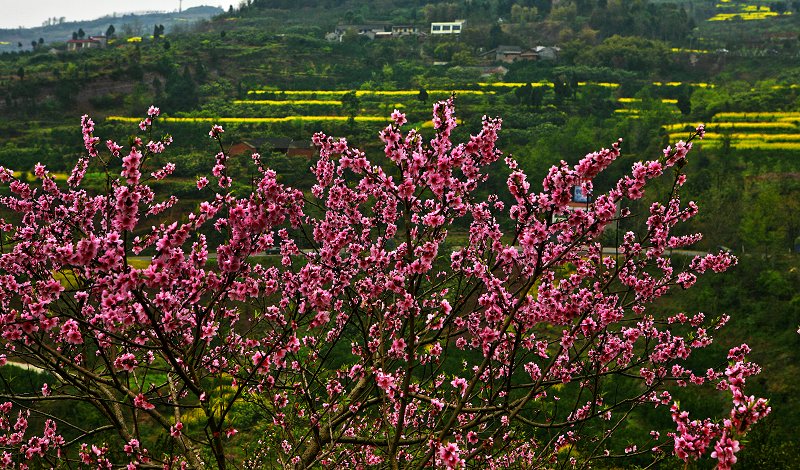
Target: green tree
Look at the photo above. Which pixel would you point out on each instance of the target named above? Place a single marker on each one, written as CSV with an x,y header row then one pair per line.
x,y
351,104
762,228
627,52
529,95
685,99
180,91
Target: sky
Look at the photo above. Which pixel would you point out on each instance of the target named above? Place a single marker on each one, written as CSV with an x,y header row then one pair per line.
x,y
28,13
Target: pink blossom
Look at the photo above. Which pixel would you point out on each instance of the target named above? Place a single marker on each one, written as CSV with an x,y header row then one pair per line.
x,y
450,456
141,402
215,131
355,333
175,430
460,383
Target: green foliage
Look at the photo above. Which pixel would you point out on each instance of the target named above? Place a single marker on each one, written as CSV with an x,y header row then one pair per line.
x,y
762,227
627,52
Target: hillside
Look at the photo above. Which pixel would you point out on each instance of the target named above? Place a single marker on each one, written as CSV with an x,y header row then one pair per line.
x,y
57,31
567,77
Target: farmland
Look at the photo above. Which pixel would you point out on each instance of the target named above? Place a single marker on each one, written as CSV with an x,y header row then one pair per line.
x,y
744,11
776,131
647,72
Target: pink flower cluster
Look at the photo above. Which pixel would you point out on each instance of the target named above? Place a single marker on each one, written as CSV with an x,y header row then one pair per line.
x,y
16,449
693,438
362,331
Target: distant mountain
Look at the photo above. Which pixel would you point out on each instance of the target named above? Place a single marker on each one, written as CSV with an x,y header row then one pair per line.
x,y
124,24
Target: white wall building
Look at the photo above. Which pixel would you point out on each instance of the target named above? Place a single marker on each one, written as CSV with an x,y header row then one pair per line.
x,y
450,27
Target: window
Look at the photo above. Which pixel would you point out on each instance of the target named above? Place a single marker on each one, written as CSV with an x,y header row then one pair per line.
x,y
446,27
436,28
457,27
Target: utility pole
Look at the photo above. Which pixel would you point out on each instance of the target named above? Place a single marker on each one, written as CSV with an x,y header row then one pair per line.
x,y
180,6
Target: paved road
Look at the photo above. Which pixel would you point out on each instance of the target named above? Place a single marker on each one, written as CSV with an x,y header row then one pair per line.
x,y
26,366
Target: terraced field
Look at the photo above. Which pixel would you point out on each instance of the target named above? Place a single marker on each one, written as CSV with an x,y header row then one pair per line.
x,y
744,11
253,120
748,131
270,105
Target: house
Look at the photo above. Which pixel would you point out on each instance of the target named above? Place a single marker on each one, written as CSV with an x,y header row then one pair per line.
x,y
376,30
363,29
290,147
510,54
404,29
547,52
507,54
92,42
489,72
245,147
298,148
103,40
450,27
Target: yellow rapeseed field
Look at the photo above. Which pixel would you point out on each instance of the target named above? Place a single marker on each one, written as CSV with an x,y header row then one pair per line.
x,y
745,13
740,137
253,120
639,100
744,125
370,92
757,116
757,145
289,102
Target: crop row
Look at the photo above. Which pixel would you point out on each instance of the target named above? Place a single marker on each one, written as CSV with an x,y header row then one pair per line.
x,y
368,92
744,125
740,137
744,12
291,102
318,93
252,120
639,100
782,116
756,145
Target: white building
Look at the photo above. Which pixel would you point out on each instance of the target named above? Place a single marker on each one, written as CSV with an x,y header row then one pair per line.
x,y
450,27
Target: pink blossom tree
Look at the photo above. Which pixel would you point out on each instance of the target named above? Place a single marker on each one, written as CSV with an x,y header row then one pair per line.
x,y
371,340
